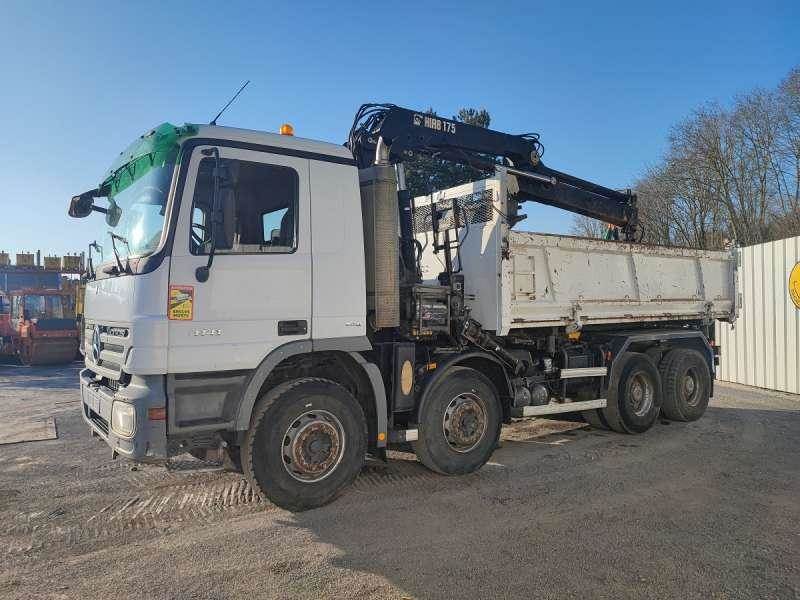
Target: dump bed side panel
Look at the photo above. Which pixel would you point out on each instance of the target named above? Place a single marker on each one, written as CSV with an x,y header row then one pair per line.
x,y
594,281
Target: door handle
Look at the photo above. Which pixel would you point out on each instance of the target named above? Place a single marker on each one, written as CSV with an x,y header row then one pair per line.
x,y
292,327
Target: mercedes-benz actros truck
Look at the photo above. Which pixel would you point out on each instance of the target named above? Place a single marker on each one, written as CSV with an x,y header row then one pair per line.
x,y
288,303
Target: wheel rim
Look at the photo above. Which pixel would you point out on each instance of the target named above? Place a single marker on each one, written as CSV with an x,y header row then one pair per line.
x,y
641,394
690,388
464,422
313,446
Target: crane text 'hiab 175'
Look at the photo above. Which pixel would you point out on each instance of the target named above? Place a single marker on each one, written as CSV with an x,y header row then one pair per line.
x,y
288,303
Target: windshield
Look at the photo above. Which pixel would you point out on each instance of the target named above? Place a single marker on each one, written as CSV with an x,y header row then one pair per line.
x,y
140,207
136,187
41,307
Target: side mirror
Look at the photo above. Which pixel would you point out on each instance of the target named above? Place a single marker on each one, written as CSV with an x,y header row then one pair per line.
x,y
218,176
81,206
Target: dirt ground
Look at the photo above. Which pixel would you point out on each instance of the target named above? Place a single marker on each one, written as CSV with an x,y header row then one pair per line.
x,y
700,510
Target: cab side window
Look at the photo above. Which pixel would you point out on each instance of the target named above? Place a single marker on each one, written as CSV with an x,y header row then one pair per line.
x,y
259,209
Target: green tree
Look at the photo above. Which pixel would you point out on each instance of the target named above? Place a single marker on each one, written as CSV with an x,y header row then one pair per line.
x,y
426,174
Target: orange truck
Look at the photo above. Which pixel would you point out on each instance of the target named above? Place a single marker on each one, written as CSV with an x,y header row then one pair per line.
x,y
38,326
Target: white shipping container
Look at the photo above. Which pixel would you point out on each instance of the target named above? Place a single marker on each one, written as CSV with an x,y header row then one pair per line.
x,y
762,349
517,280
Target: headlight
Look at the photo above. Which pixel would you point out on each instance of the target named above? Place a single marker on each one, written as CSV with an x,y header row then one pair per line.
x,y
123,418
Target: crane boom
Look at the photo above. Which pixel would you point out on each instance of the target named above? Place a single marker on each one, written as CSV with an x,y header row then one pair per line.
x,y
389,134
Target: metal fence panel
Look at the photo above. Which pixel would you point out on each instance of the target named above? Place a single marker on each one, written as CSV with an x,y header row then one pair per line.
x,y
762,348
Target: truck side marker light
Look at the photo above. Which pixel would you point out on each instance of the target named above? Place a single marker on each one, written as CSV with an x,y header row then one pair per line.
x,y
431,366
382,436
157,413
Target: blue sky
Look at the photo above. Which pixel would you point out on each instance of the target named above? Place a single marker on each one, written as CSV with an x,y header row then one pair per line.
x,y
601,82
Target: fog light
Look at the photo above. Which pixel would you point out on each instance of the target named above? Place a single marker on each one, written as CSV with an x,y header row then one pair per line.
x,y
123,418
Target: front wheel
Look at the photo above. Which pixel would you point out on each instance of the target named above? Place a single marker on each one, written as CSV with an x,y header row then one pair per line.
x,y
459,423
306,442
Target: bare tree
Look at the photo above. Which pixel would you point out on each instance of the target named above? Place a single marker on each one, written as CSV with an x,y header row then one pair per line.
x,y
728,173
587,227
786,168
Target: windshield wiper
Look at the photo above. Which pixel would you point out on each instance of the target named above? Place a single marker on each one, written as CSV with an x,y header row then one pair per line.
x,y
127,256
118,269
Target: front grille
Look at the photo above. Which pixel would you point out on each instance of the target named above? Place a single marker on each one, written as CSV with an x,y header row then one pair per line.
x,y
101,423
113,344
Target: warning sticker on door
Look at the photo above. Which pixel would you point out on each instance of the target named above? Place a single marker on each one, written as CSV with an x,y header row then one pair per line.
x,y
181,303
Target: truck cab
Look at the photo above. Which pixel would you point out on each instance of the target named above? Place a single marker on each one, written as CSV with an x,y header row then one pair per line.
x,y
288,272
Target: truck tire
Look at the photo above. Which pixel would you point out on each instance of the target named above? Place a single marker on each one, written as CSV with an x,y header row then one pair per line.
x,y
459,423
687,385
306,442
634,394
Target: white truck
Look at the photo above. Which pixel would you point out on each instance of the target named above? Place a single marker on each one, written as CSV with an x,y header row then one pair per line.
x,y
287,303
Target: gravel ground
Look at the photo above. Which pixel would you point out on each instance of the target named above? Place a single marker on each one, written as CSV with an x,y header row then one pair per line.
x,y
701,510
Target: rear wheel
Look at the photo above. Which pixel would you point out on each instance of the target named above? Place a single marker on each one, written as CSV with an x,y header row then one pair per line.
x,y
307,441
634,394
459,423
687,385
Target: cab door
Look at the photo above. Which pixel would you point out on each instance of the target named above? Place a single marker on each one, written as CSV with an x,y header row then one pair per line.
x,y
258,293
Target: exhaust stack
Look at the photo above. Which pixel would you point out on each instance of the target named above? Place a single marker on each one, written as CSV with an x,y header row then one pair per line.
x,y
381,248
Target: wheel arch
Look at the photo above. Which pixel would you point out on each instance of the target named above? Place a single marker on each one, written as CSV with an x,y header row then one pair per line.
x,y
659,343
483,363
343,365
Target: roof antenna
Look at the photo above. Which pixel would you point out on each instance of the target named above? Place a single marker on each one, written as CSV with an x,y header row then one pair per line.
x,y
219,114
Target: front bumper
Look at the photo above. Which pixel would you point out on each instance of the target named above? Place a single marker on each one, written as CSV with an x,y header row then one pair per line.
x,y
149,439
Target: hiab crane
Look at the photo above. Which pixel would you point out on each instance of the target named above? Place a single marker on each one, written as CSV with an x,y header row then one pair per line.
x,y
389,134
287,303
